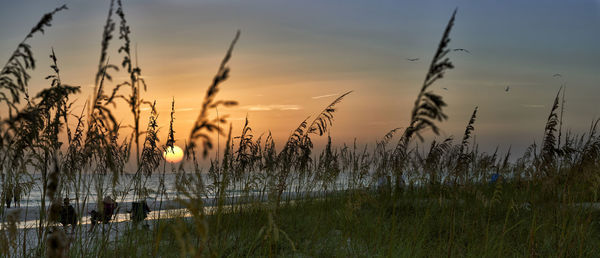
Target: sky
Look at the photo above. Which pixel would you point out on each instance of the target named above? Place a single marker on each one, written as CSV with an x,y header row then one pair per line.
x,y
294,57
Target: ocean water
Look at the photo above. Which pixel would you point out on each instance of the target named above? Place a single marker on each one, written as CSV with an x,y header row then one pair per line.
x,y
88,190
86,198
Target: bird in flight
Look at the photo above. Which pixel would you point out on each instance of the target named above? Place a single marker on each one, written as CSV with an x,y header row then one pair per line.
x,y
412,59
507,88
557,75
445,88
461,49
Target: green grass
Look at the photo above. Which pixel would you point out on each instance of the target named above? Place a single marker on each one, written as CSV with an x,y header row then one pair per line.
x,y
418,223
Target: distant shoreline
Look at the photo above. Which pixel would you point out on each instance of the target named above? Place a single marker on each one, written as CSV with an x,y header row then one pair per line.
x,y
29,216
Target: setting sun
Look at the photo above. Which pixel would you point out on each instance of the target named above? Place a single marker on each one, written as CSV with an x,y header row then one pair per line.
x,y
173,155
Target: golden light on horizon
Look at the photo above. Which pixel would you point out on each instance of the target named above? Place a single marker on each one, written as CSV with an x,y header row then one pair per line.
x,y
173,155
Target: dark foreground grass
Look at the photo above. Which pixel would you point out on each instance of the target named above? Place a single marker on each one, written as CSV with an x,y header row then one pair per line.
x,y
483,221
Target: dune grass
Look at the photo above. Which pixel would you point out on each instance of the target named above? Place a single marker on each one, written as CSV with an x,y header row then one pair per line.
x,y
418,223
391,200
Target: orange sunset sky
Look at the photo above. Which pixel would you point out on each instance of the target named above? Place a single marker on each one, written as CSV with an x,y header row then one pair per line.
x,y
294,57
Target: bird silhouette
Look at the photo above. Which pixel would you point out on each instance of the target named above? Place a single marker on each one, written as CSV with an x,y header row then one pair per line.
x,y
557,75
461,49
445,88
507,88
412,59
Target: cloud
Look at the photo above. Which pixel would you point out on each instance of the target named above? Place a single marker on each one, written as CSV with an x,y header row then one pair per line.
x,y
271,107
288,107
533,106
324,96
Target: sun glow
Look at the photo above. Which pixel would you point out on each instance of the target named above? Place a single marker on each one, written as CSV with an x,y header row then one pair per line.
x,y
173,155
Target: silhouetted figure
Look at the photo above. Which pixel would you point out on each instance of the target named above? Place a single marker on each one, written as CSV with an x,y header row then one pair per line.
x,y
8,197
507,88
17,196
68,216
109,208
139,211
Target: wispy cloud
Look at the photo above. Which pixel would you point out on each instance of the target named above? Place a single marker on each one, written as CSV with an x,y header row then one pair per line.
x,y
258,108
533,106
289,107
324,96
271,107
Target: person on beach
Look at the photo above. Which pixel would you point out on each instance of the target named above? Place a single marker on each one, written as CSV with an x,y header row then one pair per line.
x,y
68,215
109,207
139,211
17,196
8,197
495,178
